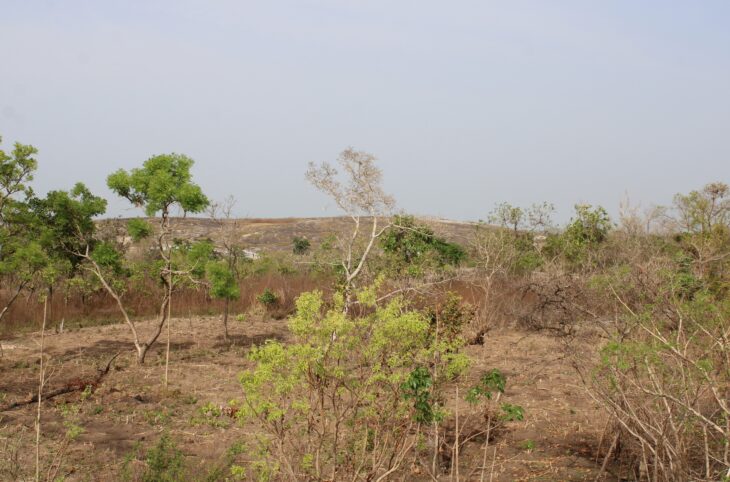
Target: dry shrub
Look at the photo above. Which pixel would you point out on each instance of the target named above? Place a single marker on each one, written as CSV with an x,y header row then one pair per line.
x,y
665,375
97,307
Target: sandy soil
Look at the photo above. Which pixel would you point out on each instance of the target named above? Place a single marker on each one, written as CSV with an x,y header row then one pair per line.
x,y
557,441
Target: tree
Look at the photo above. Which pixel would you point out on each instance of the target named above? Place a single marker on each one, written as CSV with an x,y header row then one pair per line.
x,y
702,219
701,211
21,256
223,276
224,286
584,234
360,195
162,183
507,215
537,217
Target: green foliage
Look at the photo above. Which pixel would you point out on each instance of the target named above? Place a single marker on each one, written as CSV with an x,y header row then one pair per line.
x,y
590,226
138,229
582,237
450,316
268,298
211,410
668,353
24,259
267,263
300,246
71,420
528,445
223,283
16,170
165,462
106,256
227,466
67,218
369,372
418,388
490,382
163,181
196,257
703,211
412,248
22,255
512,413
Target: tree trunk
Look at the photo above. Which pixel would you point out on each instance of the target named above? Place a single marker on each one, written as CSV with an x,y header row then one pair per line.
x,y
169,323
41,383
142,353
225,320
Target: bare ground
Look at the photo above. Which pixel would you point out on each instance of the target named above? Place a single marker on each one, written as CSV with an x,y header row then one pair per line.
x,y
557,441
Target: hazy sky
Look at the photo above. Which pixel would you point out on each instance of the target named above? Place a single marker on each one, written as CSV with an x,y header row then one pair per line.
x,y
466,103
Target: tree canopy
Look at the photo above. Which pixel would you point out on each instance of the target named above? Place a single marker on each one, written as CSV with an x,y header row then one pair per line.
x,y
163,181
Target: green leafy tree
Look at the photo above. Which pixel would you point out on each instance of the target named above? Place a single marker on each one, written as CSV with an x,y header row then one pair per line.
x,y
65,235
161,184
21,256
224,286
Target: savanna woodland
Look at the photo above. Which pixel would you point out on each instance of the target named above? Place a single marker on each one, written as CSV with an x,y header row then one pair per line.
x,y
190,345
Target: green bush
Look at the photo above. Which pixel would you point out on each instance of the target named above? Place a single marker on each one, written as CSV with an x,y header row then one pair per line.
x,y
371,380
268,298
163,462
412,248
300,246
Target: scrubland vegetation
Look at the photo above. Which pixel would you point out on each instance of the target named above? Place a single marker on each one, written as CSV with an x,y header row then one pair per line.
x,y
393,350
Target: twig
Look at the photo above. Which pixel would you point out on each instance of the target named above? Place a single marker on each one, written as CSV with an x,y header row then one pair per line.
x,y
69,388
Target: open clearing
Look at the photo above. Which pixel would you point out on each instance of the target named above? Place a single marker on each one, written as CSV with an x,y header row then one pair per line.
x,y
557,441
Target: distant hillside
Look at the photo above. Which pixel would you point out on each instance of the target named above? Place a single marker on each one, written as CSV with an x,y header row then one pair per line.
x,y
276,234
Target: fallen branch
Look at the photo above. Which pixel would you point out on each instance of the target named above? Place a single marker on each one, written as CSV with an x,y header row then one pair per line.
x,y
76,385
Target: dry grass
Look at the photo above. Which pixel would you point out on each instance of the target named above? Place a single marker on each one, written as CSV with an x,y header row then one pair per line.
x,y
100,309
557,440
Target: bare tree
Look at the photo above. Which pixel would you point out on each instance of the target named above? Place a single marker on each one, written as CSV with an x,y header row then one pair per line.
x,y
357,192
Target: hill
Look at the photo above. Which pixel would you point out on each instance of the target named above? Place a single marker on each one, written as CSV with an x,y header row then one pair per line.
x,y
275,234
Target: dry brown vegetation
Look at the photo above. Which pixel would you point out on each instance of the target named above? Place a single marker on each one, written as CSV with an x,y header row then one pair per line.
x,y
557,441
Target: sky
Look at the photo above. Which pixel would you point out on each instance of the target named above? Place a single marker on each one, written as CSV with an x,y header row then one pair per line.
x,y
465,103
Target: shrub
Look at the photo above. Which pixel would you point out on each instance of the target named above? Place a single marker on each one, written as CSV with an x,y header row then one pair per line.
x,y
665,371
268,298
587,230
163,462
412,248
347,395
300,246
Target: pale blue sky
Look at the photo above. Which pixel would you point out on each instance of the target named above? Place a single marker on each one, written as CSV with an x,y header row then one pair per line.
x,y
466,103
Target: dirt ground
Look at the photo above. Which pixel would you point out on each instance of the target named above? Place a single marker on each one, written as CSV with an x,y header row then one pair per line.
x,y
557,441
